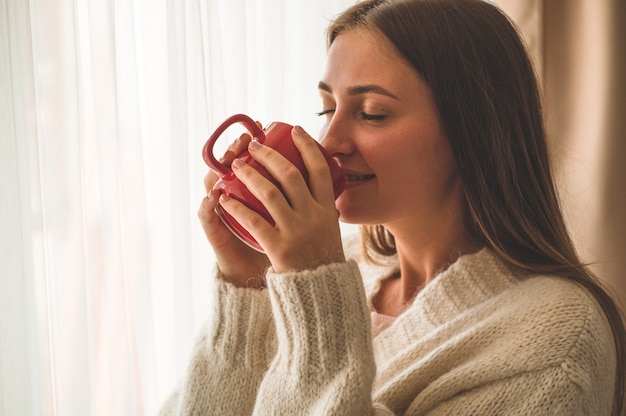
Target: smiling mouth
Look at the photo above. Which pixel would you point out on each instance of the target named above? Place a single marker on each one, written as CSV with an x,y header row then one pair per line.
x,y
352,178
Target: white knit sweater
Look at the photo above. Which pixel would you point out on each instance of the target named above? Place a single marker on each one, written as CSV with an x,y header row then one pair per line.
x,y
480,339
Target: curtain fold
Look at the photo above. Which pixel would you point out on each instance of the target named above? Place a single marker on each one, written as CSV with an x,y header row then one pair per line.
x,y
20,326
585,63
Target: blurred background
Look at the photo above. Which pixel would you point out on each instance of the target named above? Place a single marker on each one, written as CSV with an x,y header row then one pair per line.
x,y
580,55
104,109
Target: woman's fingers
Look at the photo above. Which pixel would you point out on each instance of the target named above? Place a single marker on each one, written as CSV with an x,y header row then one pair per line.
x,y
238,263
306,231
236,148
293,185
209,180
208,217
294,200
248,218
320,177
274,200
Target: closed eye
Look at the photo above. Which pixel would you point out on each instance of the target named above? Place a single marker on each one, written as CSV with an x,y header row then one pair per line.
x,y
372,117
325,112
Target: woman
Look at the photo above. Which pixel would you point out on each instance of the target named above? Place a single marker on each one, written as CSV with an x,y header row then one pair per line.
x,y
473,300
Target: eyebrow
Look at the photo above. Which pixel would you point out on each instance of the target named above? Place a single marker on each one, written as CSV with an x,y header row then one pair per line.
x,y
360,89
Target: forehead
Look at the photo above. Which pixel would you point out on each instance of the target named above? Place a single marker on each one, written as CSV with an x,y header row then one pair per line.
x,y
367,57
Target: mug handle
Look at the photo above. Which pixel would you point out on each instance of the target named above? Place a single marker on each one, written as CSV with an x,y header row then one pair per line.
x,y
207,151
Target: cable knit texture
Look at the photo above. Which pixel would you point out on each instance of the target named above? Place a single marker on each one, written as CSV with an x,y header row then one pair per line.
x,y
481,339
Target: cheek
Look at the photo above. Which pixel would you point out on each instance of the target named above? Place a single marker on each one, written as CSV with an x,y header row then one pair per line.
x,y
379,154
445,161
417,170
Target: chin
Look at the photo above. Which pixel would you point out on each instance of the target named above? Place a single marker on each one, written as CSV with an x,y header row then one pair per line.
x,y
356,212
356,217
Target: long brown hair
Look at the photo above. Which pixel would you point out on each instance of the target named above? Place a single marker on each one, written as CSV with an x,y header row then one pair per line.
x,y
486,91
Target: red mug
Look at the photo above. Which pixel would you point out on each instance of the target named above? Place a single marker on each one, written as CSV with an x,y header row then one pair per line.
x,y
277,135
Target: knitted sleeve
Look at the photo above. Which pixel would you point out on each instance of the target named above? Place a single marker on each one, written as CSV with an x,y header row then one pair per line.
x,y
324,362
303,346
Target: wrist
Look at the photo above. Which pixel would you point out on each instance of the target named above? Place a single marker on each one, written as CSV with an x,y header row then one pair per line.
x,y
245,279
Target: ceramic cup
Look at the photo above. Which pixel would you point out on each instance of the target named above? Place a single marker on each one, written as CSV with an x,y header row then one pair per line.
x,y
277,135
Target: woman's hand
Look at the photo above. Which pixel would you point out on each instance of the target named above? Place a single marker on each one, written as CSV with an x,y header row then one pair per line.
x,y
238,263
306,234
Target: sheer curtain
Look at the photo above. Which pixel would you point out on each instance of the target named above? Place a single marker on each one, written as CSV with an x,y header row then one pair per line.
x,y
104,107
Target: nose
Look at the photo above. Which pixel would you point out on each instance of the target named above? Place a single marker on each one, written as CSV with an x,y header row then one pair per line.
x,y
335,137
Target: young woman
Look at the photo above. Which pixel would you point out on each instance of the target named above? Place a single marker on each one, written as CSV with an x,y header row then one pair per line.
x,y
467,296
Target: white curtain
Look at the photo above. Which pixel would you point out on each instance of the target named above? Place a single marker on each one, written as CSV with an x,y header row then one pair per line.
x,y
104,108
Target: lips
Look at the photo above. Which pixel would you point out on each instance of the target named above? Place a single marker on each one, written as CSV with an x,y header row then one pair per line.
x,y
356,177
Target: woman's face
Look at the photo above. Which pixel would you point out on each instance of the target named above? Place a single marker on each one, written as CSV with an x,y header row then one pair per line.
x,y
383,129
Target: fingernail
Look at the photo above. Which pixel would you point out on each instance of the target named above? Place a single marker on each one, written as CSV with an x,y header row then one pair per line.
x,y
299,131
238,163
254,145
224,198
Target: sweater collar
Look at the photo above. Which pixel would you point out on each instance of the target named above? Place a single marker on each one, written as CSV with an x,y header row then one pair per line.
x,y
470,281
467,282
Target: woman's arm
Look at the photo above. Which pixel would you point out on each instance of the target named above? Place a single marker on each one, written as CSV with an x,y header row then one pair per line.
x,y
324,363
